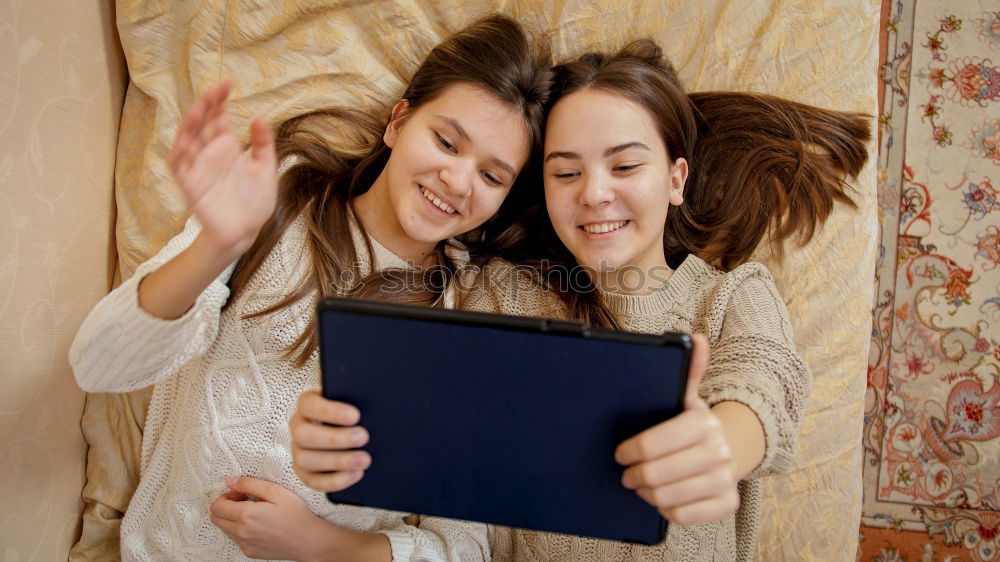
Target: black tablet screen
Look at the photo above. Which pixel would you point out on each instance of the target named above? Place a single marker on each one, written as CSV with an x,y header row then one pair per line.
x,y
503,426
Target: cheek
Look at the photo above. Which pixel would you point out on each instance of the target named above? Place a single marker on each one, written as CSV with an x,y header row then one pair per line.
x,y
414,156
651,200
559,205
488,202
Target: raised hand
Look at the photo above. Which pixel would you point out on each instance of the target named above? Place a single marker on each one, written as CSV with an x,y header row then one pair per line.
x,y
232,193
684,466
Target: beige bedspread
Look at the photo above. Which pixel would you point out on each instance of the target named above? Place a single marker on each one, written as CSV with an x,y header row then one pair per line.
x,y
286,57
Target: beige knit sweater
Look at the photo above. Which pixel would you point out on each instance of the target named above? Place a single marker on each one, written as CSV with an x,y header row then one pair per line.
x,y
753,361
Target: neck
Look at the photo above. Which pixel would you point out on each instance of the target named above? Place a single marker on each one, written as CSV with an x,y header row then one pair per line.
x,y
374,210
634,280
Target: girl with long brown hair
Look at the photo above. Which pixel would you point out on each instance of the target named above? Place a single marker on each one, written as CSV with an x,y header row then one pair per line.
x,y
654,203
221,320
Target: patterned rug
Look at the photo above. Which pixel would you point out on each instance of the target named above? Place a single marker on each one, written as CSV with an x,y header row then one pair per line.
x,y
932,415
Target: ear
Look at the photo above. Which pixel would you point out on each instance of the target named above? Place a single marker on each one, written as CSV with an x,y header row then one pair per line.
x,y
678,177
399,113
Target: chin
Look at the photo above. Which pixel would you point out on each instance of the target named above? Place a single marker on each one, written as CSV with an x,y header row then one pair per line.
x,y
599,263
425,233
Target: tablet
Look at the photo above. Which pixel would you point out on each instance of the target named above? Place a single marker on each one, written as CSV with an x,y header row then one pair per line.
x,y
505,420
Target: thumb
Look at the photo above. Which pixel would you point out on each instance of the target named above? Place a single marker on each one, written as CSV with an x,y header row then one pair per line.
x,y
696,372
267,491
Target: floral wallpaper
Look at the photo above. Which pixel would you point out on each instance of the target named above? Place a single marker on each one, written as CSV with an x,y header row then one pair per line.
x,y
932,412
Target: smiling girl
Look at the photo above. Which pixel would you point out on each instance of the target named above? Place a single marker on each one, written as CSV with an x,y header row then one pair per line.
x,y
661,198
221,320
655,202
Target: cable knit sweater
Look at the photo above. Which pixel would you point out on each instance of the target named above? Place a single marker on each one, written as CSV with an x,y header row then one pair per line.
x,y
220,408
753,361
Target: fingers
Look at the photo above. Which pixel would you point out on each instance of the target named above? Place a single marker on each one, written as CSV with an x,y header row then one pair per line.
x,y
680,466
226,508
703,486
270,492
322,446
215,125
703,511
211,158
330,481
205,108
676,434
696,372
312,406
227,526
307,435
328,461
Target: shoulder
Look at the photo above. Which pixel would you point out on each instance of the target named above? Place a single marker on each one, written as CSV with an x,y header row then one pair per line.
x,y
721,286
504,287
745,295
499,277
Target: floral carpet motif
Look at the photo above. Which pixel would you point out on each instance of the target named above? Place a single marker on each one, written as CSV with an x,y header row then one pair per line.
x,y
932,412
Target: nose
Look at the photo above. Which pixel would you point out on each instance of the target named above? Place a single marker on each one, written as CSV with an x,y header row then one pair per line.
x,y
458,177
597,191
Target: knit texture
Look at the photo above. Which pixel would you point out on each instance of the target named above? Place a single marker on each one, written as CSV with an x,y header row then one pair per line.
x,y
220,408
753,361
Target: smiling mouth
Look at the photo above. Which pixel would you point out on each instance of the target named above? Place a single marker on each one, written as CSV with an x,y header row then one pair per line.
x,y
603,227
436,201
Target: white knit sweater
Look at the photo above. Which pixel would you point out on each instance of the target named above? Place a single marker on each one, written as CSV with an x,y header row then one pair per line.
x,y
220,408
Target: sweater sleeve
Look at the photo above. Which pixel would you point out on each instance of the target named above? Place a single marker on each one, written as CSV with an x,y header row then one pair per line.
x,y
120,347
754,362
437,539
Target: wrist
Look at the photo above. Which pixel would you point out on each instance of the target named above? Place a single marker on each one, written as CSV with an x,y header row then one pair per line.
x,y
216,251
323,544
744,434
333,543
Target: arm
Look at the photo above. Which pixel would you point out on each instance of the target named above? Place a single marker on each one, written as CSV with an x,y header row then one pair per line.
x,y
168,312
120,347
281,526
756,385
684,466
171,290
438,539
756,369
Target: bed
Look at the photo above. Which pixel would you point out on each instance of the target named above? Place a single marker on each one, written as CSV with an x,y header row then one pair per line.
x,y
285,58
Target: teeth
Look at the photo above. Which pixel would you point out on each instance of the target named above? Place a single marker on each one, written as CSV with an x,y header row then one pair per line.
x,y
437,202
602,227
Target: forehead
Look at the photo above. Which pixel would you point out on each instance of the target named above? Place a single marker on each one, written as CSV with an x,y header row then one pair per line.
x,y
598,119
493,125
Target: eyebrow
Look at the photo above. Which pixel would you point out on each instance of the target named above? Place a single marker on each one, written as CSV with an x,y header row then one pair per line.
x,y
609,152
461,132
456,125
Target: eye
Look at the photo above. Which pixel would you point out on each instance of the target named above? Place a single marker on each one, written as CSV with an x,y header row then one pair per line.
x,y
625,168
565,175
445,144
491,178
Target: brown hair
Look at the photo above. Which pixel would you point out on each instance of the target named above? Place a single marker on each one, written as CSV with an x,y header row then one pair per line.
x,y
340,152
758,165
